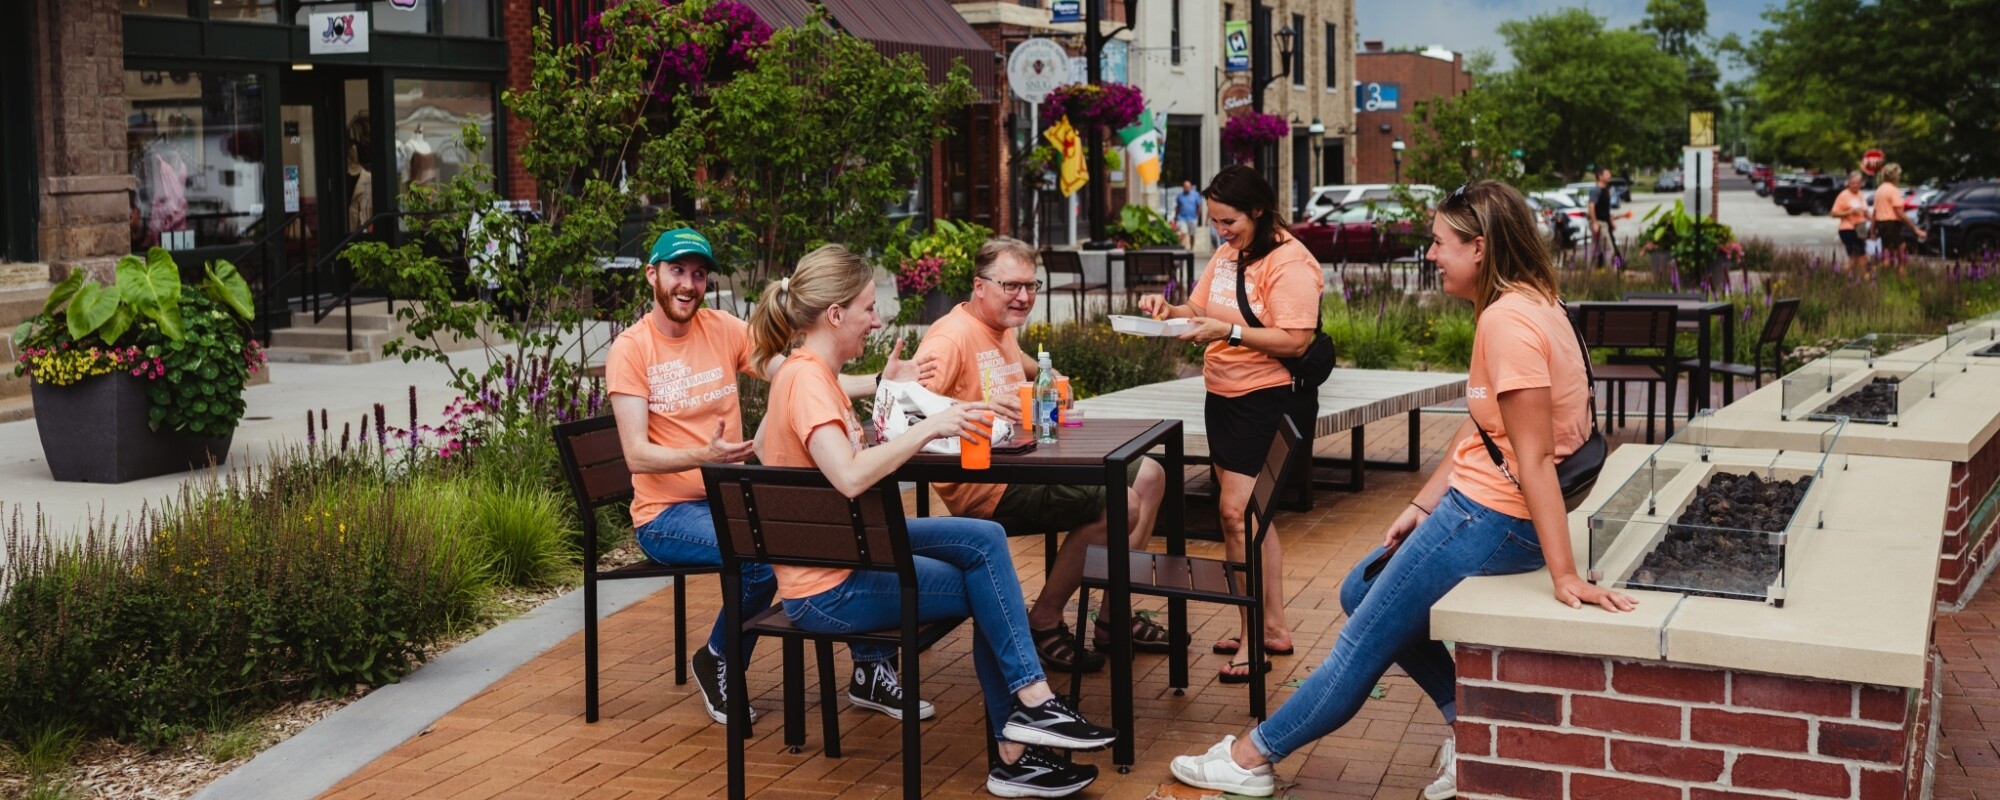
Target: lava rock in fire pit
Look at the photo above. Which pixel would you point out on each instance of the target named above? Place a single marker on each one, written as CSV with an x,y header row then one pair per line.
x,y
1874,402
1991,351
1719,547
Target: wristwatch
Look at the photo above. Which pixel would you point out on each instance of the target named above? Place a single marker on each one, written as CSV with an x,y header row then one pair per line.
x,y
1235,336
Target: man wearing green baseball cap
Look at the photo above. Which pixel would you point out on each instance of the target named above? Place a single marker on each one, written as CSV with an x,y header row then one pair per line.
x,y
672,380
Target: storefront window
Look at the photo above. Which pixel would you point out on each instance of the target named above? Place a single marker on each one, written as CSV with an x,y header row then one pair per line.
x,y
158,8
468,18
401,16
429,117
195,142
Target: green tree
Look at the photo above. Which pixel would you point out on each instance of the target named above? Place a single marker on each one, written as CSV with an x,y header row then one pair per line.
x,y
1582,94
810,146
1677,24
1462,138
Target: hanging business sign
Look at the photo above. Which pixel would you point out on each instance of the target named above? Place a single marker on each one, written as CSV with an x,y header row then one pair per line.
x,y
1236,46
1237,101
1380,97
1066,11
336,32
404,5
1114,61
1036,67
1701,128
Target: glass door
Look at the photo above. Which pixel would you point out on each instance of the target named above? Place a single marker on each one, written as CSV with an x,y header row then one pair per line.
x,y
327,170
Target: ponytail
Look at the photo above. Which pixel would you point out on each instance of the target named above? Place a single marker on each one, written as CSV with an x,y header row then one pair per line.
x,y
826,277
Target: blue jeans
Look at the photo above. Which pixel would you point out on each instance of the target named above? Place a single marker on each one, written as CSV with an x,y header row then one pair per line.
x,y
963,570
683,535
1389,619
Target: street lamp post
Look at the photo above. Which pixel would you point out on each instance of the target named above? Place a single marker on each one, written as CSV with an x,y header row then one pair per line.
x,y
1094,194
1318,131
1396,149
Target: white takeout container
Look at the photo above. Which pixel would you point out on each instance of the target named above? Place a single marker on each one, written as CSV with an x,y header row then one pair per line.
x,y
1147,326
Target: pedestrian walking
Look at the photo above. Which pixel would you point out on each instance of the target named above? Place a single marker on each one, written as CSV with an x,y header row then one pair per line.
x,y
1602,200
1850,209
1187,214
1891,226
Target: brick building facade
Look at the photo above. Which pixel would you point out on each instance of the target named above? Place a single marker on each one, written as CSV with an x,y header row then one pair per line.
x,y
1315,85
82,181
1408,77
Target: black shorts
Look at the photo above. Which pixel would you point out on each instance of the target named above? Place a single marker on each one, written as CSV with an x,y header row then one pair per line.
x,y
1891,234
1850,239
1240,429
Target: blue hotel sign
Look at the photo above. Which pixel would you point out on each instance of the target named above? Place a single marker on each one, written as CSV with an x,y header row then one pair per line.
x,y
1066,11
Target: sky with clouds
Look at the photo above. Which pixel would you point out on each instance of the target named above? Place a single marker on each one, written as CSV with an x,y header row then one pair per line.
x,y
1469,25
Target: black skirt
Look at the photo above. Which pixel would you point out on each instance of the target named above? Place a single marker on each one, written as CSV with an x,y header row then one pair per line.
x,y
1240,429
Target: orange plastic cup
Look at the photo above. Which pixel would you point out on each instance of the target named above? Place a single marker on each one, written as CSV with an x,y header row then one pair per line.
x,y
976,452
1027,425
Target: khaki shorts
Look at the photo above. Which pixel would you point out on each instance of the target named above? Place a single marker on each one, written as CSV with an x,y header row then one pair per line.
x,y
1026,508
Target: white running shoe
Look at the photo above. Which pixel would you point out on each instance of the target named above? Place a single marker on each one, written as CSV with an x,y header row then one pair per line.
x,y
1216,770
1446,785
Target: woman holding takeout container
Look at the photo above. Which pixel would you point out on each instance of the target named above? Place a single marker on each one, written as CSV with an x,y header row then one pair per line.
x,y
1249,389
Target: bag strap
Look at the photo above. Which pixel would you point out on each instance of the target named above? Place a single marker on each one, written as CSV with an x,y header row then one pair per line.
x,y
1243,301
1590,390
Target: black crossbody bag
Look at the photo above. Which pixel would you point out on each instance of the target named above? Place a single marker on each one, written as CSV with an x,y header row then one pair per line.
x,y
1309,369
1577,472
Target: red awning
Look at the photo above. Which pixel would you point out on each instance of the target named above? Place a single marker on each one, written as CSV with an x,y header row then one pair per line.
x,y
928,28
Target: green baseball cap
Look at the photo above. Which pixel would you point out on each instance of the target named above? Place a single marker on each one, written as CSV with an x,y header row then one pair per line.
x,y
679,242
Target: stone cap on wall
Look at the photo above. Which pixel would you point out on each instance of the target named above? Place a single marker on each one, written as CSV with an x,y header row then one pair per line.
x,y
1858,608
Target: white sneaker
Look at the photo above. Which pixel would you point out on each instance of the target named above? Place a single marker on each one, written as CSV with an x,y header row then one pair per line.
x,y
1446,785
1216,770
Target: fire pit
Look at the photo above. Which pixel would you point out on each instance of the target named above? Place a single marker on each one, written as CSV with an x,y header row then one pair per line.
x,y
1875,379
1707,518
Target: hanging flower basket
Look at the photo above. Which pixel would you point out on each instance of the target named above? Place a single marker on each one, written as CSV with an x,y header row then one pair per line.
x,y
1110,106
726,42
1244,136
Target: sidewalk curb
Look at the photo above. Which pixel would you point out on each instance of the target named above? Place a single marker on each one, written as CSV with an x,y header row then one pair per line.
x,y
308,764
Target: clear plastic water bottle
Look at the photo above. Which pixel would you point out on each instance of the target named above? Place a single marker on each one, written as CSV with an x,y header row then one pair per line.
x,y
1047,401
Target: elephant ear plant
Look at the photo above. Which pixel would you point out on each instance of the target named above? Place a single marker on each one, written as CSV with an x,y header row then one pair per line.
x,y
192,347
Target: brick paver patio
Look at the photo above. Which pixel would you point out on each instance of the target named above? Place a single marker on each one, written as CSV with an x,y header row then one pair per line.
x,y
525,736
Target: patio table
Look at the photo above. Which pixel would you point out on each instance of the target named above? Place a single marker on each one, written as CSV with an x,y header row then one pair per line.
x,y
1099,453
1700,313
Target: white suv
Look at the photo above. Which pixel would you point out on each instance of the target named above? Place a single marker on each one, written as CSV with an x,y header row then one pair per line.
x,y
1324,198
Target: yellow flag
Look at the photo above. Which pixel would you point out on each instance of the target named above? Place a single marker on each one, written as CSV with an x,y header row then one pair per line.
x,y
1070,147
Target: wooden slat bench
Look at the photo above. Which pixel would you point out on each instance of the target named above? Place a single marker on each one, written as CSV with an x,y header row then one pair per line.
x,y
1348,401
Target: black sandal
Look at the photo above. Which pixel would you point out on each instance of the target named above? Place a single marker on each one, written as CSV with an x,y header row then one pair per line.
x,y
1060,650
1147,635
1230,677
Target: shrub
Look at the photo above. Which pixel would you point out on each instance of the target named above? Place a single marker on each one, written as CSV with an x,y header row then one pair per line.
x,y
1098,360
1365,339
526,533
1450,343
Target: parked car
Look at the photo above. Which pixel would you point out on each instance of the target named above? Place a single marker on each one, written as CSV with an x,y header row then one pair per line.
x,y
1809,194
1576,219
1965,219
1356,232
1760,179
1742,165
1669,181
1324,198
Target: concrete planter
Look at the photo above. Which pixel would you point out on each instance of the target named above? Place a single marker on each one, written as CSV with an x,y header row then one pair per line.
x,y
95,431
936,305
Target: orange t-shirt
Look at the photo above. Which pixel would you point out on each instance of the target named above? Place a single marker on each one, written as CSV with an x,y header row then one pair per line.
x,y
1888,203
1519,343
689,384
805,396
1284,291
975,361
1850,208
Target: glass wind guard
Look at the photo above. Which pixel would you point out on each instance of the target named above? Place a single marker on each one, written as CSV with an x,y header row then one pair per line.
x,y
1707,518
1809,388
1975,340
1877,345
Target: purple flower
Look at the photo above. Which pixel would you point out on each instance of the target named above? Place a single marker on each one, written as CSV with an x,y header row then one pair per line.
x,y
1243,136
312,436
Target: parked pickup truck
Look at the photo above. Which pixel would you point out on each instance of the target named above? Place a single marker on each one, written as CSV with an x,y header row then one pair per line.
x,y
1808,194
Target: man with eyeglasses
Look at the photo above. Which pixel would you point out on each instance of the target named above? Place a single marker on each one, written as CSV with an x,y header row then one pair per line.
x,y
973,354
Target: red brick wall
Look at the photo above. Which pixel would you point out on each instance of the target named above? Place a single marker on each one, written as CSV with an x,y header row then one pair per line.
x,y
1967,551
1545,725
1421,78
517,27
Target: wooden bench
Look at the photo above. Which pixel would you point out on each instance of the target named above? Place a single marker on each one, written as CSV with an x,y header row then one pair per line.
x,y
1348,401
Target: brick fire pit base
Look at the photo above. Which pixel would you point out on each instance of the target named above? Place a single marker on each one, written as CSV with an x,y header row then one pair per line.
x,y
1546,725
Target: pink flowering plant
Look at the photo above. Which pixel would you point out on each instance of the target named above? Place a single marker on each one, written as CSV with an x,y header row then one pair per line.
x,y
918,276
689,56
1109,106
1243,136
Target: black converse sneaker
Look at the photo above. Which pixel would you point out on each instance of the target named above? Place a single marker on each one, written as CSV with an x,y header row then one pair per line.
x,y
1055,724
1038,773
876,687
713,677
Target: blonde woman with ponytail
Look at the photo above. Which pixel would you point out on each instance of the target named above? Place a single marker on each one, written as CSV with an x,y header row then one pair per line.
x,y
819,319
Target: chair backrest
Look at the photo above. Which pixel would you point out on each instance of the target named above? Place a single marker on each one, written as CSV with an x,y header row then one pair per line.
x,y
1275,474
1779,322
794,517
1063,262
1627,325
593,462
1142,264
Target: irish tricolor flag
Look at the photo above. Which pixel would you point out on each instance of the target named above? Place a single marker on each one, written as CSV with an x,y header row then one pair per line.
x,y
1142,147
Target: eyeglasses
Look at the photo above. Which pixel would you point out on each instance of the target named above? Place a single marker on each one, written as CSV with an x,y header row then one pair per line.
x,y
1014,287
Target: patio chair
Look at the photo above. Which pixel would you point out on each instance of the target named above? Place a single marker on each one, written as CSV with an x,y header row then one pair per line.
x,y
1067,262
1776,326
1212,580
793,517
594,464
1683,325
1626,327
1148,272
